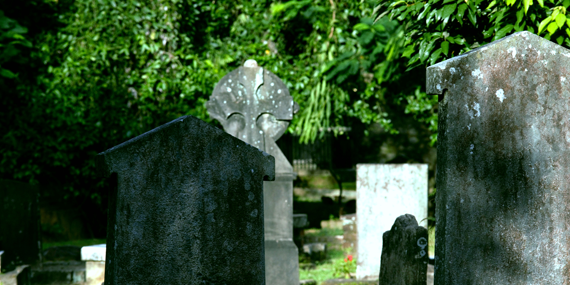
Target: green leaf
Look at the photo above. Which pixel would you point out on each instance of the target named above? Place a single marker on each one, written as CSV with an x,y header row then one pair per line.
x,y
7,73
552,28
541,3
361,26
566,3
408,51
425,12
491,5
555,13
448,9
526,4
560,19
472,17
488,33
445,47
435,56
560,40
461,13
502,32
520,14
568,32
543,25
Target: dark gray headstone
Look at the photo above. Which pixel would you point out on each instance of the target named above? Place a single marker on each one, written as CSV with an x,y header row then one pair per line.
x,y
404,253
19,224
255,106
187,209
503,161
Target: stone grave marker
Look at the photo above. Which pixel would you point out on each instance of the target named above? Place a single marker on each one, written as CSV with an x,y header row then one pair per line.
x,y
94,257
404,253
384,192
19,224
255,106
350,234
186,207
503,160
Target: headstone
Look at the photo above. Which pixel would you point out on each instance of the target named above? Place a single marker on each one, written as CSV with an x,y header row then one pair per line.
x,y
315,251
19,224
503,206
186,207
94,257
254,105
404,253
384,192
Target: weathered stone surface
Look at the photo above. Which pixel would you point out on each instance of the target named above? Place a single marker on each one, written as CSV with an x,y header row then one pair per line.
x,y
384,192
19,276
94,257
187,208
404,253
19,224
503,197
254,105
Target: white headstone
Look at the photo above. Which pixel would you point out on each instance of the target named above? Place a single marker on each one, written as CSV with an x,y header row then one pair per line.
x,y
94,257
385,192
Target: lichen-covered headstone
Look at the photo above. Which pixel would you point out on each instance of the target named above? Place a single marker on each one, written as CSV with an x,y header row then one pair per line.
x,y
187,207
255,106
404,253
19,224
503,164
383,193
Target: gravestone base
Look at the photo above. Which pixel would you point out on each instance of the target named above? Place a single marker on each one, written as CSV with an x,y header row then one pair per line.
x,y
94,257
58,272
18,276
281,262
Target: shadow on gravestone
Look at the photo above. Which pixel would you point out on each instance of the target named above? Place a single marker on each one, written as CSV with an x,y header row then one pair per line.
x,y
186,207
503,160
404,253
255,106
19,224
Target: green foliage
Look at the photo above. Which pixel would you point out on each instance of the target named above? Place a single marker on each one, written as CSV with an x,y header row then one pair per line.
x,y
437,30
11,40
92,74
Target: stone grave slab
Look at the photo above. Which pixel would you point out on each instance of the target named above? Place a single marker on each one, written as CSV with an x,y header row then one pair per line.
x,y
94,257
404,253
384,192
503,154
185,207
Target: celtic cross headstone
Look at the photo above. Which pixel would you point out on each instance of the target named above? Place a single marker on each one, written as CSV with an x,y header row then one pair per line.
x,y
254,105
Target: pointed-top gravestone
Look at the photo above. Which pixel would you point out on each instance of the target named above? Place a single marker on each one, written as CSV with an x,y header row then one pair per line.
x,y
503,197
187,207
254,105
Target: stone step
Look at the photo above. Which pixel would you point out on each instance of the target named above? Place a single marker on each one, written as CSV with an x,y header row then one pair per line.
x,y
58,273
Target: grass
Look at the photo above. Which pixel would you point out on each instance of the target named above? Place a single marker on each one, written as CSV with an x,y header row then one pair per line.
x,y
81,243
324,270
431,241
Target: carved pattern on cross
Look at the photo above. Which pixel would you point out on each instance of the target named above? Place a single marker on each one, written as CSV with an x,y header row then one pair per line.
x,y
252,104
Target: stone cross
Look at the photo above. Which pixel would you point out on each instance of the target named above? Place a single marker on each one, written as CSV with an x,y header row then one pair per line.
x,y
404,253
255,106
185,207
383,193
503,163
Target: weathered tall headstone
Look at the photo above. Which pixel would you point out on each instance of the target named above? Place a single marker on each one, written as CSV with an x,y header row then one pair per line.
x,y
384,192
404,253
503,164
187,207
255,106
19,224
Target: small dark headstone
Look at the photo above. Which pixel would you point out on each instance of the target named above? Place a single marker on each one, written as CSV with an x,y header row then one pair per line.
x,y
186,207
404,253
19,224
